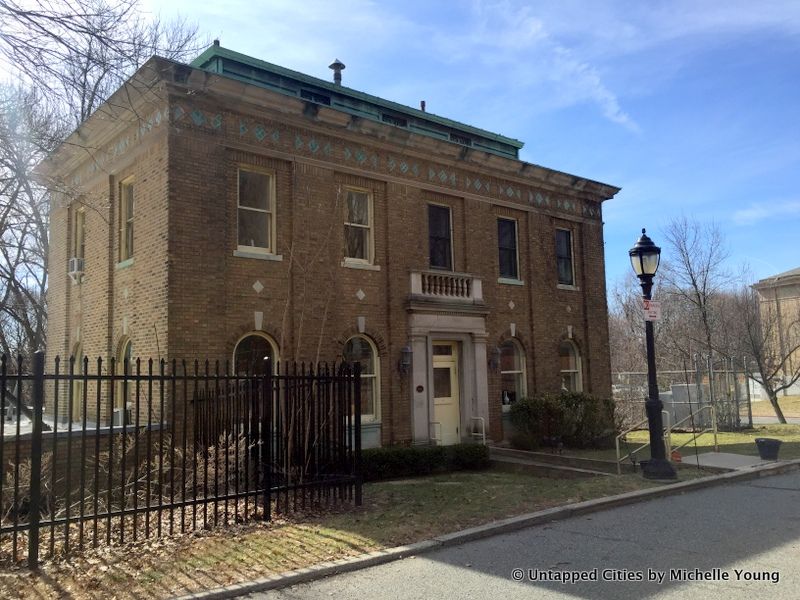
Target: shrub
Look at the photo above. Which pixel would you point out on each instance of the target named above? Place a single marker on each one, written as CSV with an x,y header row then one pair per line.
x,y
410,461
575,420
467,457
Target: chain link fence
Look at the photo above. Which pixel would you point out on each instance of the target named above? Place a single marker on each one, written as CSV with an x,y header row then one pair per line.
x,y
718,383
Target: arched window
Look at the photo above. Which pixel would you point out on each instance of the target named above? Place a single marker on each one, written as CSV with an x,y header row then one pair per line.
x,y
570,365
512,373
77,384
360,349
126,388
250,352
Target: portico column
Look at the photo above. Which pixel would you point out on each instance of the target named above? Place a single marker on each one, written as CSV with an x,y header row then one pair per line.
x,y
420,405
481,378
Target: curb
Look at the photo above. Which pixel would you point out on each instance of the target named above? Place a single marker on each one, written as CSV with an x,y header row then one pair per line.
x,y
511,524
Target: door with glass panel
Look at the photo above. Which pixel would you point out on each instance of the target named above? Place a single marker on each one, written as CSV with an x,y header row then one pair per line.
x,y
446,400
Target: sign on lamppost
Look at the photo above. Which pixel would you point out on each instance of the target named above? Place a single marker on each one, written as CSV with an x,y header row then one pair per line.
x,y
651,310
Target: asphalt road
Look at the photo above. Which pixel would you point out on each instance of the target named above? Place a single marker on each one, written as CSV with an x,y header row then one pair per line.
x,y
725,536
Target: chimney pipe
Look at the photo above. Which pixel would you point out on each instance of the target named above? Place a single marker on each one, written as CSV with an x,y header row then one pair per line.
x,y
422,105
338,67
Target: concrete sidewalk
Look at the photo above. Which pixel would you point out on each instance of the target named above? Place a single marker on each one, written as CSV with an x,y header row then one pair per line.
x,y
725,460
498,527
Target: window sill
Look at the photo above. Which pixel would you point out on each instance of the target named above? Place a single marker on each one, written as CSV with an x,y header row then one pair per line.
x,y
564,286
349,264
257,255
509,281
124,264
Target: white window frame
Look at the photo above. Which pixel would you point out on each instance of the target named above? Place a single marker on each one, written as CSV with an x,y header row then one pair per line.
x,y
452,241
78,246
573,285
370,260
521,372
125,387
126,219
577,371
76,414
270,212
376,376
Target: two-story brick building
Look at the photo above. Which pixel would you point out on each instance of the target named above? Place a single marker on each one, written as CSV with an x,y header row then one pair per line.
x,y
232,209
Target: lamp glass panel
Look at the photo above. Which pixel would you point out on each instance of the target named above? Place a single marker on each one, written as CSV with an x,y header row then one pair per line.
x,y
650,263
636,263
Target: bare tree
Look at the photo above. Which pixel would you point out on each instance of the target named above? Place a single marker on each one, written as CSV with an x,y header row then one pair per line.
x,y
760,326
74,53
27,132
695,274
82,50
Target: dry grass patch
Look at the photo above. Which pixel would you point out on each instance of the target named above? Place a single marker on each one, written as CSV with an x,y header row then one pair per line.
x,y
394,513
790,405
735,442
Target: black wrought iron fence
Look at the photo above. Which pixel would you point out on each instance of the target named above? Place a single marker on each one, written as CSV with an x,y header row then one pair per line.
x,y
149,449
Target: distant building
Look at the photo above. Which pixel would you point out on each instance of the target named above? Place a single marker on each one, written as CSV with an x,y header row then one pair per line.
x,y
232,209
780,305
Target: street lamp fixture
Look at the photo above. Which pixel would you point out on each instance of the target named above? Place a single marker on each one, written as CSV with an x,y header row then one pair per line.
x,y
645,256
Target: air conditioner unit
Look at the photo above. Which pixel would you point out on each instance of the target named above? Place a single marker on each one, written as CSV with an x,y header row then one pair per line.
x,y
75,269
122,417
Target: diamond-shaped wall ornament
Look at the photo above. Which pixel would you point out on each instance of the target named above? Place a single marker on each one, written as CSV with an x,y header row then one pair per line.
x,y
258,287
511,304
360,294
198,117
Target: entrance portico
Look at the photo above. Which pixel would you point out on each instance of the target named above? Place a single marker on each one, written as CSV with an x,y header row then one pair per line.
x,y
449,378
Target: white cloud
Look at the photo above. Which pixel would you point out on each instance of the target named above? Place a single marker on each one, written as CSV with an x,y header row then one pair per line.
x,y
760,211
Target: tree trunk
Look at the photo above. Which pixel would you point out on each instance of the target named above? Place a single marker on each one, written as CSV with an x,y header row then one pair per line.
x,y
773,398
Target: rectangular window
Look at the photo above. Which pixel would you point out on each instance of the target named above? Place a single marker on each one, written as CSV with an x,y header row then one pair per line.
x,y
507,245
358,227
566,273
256,212
126,211
78,237
440,237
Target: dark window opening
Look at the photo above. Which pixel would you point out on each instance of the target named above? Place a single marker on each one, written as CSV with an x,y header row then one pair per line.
x,y
439,237
315,97
392,120
460,139
507,245
564,257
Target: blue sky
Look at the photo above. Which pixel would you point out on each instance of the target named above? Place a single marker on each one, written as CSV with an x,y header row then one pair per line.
x,y
692,108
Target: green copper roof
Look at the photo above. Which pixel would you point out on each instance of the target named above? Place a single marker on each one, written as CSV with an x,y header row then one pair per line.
x,y
292,83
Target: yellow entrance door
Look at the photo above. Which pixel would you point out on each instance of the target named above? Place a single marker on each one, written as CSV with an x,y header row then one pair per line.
x,y
446,412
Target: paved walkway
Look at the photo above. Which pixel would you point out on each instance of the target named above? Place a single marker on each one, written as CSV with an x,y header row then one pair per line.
x,y
723,460
739,541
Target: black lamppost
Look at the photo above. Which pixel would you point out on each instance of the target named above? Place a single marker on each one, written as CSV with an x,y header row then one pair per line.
x,y
645,256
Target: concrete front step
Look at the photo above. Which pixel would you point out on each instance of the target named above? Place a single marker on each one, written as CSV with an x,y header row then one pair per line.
x,y
561,460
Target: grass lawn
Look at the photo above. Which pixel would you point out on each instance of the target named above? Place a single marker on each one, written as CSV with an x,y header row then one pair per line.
x,y
394,513
790,405
738,442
